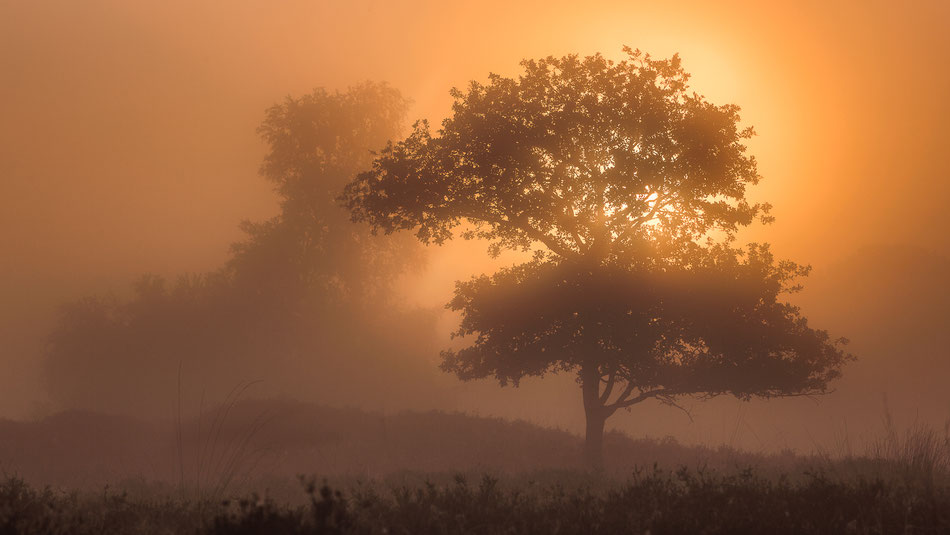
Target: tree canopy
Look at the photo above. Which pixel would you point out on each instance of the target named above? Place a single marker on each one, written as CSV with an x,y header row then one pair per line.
x,y
317,143
716,328
629,189
588,157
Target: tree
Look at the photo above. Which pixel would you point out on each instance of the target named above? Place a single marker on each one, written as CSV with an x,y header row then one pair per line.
x,y
306,291
317,143
629,190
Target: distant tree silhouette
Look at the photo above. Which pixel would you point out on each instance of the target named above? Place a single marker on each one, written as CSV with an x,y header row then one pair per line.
x,y
318,143
629,190
305,298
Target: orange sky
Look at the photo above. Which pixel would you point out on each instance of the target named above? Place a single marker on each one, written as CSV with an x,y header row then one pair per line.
x,y
127,140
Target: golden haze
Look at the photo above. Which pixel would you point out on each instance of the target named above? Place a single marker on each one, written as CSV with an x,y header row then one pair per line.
x,y
127,140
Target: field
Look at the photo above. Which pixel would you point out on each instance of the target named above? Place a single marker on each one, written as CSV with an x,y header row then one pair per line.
x,y
442,473
655,502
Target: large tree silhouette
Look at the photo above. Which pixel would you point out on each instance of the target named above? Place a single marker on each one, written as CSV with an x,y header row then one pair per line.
x,y
629,190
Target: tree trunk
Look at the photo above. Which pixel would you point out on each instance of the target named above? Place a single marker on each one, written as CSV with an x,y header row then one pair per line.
x,y
596,415
594,439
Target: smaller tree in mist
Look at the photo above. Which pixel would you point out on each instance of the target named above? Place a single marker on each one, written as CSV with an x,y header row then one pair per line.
x,y
305,298
628,189
317,143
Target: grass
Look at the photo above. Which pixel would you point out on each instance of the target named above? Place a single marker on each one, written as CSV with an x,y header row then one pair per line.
x,y
221,458
25,510
920,451
916,455
433,473
655,501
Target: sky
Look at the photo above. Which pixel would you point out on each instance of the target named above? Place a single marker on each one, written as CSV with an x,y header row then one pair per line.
x,y
128,143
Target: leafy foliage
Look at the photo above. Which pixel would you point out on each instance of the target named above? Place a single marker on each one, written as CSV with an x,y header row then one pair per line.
x,y
630,190
318,143
586,156
712,326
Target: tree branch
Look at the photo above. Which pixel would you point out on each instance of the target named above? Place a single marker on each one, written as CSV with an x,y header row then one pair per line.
x,y
570,220
577,237
660,203
622,403
623,395
668,400
521,223
550,242
610,386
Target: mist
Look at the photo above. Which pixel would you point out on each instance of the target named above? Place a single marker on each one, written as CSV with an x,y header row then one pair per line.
x,y
129,147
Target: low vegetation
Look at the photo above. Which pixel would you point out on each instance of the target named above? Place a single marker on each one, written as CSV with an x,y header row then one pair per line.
x,y
450,473
659,501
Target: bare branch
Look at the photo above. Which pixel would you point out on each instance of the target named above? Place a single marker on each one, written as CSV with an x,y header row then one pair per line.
x,y
623,395
607,389
669,400
642,396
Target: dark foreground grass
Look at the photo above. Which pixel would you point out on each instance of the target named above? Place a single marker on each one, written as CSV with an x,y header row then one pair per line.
x,y
655,502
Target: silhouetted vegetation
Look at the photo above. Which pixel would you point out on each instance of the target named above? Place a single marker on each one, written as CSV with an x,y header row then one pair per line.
x,y
629,190
305,301
655,501
294,373
658,502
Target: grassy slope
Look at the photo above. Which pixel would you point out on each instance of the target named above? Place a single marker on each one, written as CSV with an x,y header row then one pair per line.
x,y
398,475
265,439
